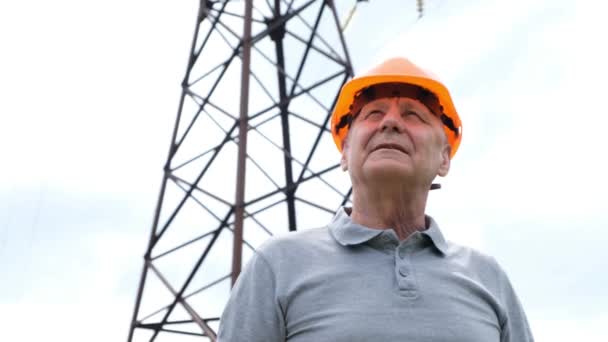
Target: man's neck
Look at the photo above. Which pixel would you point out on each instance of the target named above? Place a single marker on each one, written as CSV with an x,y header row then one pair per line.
x,y
393,207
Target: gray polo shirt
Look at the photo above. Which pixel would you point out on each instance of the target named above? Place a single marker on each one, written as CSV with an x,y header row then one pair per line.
x,y
347,282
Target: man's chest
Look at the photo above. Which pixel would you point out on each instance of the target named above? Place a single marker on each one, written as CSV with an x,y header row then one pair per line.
x,y
381,301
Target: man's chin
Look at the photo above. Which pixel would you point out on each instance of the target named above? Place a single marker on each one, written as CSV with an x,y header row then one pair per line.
x,y
388,171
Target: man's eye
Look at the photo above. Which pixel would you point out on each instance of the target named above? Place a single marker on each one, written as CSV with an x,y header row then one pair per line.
x,y
373,114
413,113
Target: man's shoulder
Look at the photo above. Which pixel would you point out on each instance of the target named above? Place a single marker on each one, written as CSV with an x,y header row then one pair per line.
x,y
478,265
472,257
298,244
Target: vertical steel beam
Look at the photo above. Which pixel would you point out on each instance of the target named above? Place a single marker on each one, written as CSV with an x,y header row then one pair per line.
x,y
277,36
239,211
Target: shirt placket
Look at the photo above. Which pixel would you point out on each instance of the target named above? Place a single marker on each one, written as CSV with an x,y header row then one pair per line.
x,y
404,268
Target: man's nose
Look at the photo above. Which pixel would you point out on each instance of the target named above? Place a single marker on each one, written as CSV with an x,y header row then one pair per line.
x,y
392,121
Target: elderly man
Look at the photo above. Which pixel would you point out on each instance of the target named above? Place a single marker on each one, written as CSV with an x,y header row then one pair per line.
x,y
381,270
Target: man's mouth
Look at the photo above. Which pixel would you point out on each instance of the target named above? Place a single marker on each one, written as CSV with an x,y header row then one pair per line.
x,y
390,146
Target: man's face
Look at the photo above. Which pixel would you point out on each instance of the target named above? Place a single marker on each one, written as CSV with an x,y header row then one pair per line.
x,y
396,138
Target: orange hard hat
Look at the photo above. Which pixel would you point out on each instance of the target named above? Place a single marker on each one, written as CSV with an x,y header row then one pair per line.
x,y
396,70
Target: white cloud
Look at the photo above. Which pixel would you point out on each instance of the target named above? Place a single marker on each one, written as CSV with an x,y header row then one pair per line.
x,y
83,301
458,35
83,94
91,319
565,330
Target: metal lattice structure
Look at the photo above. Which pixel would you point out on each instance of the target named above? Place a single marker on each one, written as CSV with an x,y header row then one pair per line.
x,y
273,68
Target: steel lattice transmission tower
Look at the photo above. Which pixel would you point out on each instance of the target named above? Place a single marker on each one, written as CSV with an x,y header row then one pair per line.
x,y
276,75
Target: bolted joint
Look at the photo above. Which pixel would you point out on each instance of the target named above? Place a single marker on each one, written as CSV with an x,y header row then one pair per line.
x,y
277,32
203,9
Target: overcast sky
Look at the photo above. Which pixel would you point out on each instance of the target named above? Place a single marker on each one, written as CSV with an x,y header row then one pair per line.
x,y
89,93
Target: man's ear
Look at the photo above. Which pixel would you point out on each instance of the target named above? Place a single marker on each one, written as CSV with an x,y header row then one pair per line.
x,y
344,162
344,159
444,167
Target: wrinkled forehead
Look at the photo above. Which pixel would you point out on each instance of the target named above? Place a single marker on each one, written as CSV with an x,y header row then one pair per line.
x,y
403,102
388,90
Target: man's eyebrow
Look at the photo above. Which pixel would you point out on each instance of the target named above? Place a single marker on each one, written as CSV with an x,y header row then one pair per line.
x,y
421,108
380,103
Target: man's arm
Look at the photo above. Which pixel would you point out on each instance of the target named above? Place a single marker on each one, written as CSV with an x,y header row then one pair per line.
x,y
253,312
515,327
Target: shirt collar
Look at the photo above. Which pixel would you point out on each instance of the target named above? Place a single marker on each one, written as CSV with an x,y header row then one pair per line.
x,y
436,236
348,233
